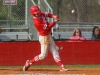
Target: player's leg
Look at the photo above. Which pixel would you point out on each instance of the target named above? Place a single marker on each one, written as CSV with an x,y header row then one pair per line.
x,y
45,42
55,54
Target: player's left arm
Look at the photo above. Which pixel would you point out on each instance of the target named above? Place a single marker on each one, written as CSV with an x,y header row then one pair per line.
x,y
46,14
55,17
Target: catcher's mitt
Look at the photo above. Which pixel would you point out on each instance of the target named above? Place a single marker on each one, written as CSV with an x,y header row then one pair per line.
x,y
0,30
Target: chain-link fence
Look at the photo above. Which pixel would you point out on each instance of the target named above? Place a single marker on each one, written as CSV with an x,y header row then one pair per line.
x,y
12,17
29,19
85,16
85,10
18,17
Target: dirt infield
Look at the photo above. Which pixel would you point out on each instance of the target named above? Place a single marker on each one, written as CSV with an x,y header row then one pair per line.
x,y
44,71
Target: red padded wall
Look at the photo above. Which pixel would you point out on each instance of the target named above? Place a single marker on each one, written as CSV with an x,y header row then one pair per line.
x,y
77,52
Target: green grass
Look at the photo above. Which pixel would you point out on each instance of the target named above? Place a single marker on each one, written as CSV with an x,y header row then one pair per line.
x,y
55,66
83,66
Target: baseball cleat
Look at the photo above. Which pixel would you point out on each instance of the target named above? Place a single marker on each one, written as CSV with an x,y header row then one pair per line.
x,y
63,69
27,65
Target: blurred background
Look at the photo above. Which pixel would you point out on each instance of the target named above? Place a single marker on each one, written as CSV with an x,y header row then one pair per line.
x,y
16,21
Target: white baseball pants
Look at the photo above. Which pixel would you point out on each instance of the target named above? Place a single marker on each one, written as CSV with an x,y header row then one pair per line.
x,y
47,43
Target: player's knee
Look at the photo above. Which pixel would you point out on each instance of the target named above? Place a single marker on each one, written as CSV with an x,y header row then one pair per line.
x,y
41,57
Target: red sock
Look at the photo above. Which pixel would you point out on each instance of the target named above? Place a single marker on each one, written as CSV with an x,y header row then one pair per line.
x,y
35,59
60,64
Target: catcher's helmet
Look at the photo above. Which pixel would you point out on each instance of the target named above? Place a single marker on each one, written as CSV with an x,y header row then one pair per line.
x,y
35,10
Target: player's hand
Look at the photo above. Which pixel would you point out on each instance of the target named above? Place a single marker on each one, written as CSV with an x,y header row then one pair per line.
x,y
56,18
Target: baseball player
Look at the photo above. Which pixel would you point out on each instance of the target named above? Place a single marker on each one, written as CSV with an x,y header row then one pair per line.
x,y
46,41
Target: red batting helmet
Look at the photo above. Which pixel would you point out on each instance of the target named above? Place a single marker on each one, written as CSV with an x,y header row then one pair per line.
x,y
35,10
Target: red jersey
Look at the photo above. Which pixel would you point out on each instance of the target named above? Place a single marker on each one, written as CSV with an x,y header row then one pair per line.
x,y
42,25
